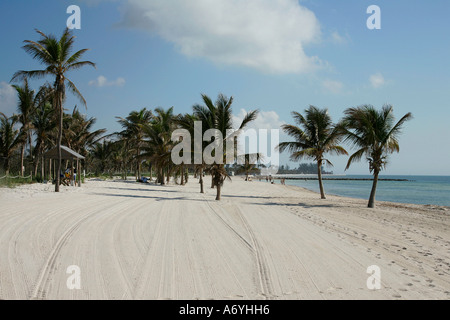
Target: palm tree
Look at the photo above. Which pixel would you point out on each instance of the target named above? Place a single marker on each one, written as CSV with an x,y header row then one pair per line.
x,y
219,116
78,134
100,155
43,122
10,139
249,164
375,133
134,131
56,55
314,137
158,147
187,122
26,109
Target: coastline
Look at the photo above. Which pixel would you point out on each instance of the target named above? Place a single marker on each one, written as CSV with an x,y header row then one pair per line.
x,y
261,241
379,203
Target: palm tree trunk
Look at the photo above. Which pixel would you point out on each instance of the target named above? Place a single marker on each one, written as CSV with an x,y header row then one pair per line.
x,y
42,169
138,163
212,182
374,189
163,181
36,165
6,166
219,187
182,174
319,173
22,154
58,163
202,190
29,141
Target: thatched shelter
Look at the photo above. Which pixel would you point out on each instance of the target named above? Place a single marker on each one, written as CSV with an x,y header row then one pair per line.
x,y
68,155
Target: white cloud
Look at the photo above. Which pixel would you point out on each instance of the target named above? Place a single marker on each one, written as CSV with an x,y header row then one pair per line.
x,y
338,39
377,80
8,99
102,81
267,35
332,86
265,120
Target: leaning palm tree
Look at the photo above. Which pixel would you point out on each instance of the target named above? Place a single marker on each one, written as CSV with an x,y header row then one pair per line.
x,y
315,137
26,109
10,139
56,55
375,134
219,116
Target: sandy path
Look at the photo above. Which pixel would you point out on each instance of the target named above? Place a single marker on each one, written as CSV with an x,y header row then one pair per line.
x,y
134,241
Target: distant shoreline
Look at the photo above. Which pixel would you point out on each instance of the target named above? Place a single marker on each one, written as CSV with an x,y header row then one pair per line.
x,y
343,179
333,177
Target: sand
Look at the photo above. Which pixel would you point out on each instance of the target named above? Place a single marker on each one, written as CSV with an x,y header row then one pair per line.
x,y
262,241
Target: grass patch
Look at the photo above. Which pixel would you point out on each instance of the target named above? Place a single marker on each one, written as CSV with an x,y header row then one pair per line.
x,y
14,182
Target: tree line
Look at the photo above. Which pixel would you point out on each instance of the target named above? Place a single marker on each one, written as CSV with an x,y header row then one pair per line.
x,y
146,135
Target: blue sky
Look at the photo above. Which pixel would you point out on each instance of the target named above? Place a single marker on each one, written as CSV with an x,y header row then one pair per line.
x,y
273,55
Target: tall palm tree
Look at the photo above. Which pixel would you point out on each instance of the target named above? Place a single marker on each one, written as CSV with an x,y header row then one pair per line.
x,y
26,109
133,126
10,139
375,134
315,136
56,55
219,116
43,123
187,122
158,134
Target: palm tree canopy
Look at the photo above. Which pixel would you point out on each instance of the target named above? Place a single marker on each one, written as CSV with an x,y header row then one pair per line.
x,y
373,132
219,115
26,105
314,135
56,55
158,133
78,133
10,137
133,123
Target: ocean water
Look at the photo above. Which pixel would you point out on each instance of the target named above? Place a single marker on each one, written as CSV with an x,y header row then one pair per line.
x,y
433,190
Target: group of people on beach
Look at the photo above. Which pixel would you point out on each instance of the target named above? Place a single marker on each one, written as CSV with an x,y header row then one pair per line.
x,y
272,180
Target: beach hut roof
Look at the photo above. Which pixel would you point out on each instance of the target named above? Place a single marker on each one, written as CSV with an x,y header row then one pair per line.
x,y
66,154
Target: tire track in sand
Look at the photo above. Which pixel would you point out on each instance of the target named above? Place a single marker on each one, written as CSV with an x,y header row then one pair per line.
x,y
262,269
44,280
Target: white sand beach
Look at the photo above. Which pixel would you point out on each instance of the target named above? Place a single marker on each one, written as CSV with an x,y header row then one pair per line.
x,y
262,241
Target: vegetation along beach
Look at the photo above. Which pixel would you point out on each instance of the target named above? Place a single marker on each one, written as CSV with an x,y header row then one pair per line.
x,y
270,155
